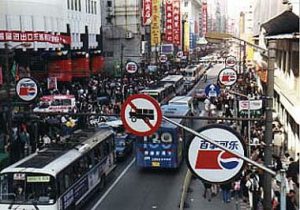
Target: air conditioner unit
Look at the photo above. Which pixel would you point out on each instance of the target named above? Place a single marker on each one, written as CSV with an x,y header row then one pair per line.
x,y
128,35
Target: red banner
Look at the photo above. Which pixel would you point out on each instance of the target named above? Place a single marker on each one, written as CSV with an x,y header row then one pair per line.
x,y
176,22
204,19
60,69
80,67
169,21
97,64
29,36
147,12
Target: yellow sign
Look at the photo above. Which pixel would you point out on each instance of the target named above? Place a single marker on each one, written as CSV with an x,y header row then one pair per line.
x,y
155,164
155,23
186,36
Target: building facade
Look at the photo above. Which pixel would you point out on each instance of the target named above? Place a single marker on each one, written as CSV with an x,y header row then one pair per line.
x,y
64,37
281,23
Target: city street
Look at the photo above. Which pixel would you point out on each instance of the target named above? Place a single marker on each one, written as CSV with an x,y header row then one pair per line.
x,y
134,188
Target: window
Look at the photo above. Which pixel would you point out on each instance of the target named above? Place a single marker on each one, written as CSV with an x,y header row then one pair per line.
x,y
89,6
86,6
76,5
79,5
72,4
68,4
186,4
295,62
95,7
92,7
109,3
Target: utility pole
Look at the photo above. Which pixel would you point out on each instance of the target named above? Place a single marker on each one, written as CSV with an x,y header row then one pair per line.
x,y
269,120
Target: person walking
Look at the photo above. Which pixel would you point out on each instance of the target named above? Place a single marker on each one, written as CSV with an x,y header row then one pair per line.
x,y
226,188
207,191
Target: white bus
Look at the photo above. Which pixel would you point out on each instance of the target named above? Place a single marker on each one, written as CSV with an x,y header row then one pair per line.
x,y
193,73
62,176
162,93
183,101
177,81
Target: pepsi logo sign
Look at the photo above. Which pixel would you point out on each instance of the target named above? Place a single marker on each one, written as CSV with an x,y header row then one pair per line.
x,y
230,61
27,89
212,164
227,77
131,67
163,58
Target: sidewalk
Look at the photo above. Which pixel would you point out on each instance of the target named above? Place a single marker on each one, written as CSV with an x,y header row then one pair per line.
x,y
195,200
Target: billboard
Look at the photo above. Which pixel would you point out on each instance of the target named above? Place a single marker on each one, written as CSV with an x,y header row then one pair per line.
x,y
147,12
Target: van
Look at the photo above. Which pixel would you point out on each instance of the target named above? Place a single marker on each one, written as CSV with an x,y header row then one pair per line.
x,y
183,101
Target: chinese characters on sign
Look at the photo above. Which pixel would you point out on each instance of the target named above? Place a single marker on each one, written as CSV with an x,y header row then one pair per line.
x,y
147,12
29,36
169,21
204,19
176,22
155,23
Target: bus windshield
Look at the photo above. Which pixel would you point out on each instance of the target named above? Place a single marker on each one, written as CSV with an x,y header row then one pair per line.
x,y
28,188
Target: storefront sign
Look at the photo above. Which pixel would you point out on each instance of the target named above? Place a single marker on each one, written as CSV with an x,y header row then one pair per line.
x,y
30,36
147,12
155,23
169,21
176,22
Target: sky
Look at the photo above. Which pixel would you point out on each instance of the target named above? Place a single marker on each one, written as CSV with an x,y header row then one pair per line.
x,y
235,7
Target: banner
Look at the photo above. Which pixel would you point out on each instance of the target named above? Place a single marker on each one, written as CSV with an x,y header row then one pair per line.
x,y
204,19
155,23
147,12
186,36
29,36
169,21
176,22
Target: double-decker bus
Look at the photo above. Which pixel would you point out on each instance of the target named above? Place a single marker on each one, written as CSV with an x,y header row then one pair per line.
x,y
165,148
162,93
193,73
177,81
61,176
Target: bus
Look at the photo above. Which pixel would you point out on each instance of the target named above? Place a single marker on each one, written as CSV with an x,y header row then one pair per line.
x,y
62,176
187,101
193,73
162,93
165,148
177,81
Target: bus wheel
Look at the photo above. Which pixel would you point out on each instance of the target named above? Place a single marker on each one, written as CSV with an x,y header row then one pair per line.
x,y
133,119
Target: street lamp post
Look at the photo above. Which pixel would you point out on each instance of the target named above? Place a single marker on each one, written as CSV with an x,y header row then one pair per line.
x,y
249,115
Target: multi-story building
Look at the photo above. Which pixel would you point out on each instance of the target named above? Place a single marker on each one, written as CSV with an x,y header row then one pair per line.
x,y
279,21
64,37
121,33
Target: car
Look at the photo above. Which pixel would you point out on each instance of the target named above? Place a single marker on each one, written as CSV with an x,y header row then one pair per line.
x,y
188,85
124,145
199,94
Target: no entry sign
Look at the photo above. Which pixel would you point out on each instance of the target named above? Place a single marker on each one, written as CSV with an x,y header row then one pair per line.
x,y
230,61
211,163
141,115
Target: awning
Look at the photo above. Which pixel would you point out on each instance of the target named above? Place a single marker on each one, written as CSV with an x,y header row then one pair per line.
x,y
286,22
284,36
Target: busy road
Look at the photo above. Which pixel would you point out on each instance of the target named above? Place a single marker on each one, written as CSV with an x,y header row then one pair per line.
x,y
134,188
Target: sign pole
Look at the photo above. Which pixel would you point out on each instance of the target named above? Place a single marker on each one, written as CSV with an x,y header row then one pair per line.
x,y
282,190
271,172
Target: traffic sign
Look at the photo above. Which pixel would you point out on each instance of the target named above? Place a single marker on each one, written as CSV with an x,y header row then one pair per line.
x,y
179,54
131,67
209,162
230,61
163,58
212,90
227,77
141,115
27,89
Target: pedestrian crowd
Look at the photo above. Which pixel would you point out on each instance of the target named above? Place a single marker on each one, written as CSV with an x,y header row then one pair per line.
x,y
249,185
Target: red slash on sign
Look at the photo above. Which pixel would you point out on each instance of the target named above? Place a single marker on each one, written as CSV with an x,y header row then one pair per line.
x,y
141,115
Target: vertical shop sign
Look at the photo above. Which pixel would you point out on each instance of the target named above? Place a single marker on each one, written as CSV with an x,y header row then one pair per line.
x,y
155,23
204,19
147,12
176,22
186,36
169,21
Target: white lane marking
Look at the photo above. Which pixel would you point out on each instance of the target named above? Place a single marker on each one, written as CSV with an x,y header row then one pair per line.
x,y
113,185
